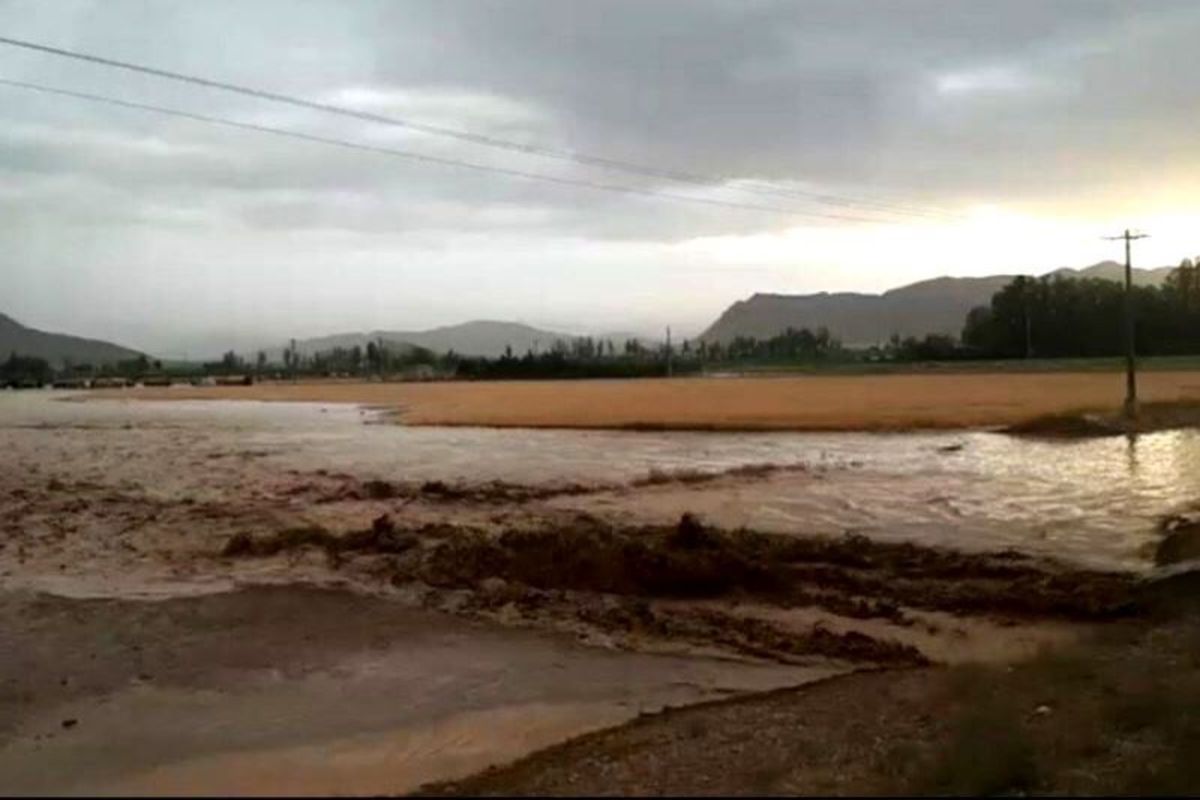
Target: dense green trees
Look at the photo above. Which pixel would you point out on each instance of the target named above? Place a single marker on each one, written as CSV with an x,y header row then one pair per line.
x,y
585,357
934,347
792,345
1056,317
378,358
556,364
25,371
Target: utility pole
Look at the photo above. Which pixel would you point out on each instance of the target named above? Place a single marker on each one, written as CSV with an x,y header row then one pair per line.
x,y
1131,403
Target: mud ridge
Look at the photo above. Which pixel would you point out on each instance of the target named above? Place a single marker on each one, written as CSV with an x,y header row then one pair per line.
x,y
348,488
1151,417
638,580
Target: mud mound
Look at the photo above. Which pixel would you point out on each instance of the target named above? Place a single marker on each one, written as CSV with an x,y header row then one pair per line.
x,y
325,487
1069,426
504,492
663,582
747,635
381,537
659,477
349,489
851,576
1151,417
1181,539
597,558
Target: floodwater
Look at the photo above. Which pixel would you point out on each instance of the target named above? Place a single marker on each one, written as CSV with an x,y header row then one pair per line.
x,y
115,498
1093,501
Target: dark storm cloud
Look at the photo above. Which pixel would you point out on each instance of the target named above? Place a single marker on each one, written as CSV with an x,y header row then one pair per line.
x,y
915,97
1040,103
840,92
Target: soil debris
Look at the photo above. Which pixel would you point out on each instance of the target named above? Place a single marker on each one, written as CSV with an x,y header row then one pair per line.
x,y
1181,539
381,537
1157,416
380,490
851,576
500,492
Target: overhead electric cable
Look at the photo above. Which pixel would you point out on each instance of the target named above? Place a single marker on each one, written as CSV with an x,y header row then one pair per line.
x,y
422,157
861,204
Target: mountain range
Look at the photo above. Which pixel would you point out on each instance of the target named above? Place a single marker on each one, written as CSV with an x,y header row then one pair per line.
x,y
55,347
939,305
476,338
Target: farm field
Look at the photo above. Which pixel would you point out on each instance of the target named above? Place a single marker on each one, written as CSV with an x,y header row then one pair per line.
x,y
891,402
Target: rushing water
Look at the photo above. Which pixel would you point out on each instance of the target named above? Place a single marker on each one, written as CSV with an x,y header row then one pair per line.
x,y
1094,501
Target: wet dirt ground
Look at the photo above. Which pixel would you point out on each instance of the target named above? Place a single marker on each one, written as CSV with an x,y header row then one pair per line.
x,y
305,691
271,598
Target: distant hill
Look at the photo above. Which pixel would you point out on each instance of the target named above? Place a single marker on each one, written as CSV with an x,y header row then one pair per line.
x,y
933,306
477,338
55,347
1112,271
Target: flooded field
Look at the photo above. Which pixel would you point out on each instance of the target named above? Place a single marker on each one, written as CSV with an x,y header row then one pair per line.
x,y
1095,501
610,563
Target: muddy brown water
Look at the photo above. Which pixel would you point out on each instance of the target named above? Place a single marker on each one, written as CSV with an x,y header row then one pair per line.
x,y
1094,502
106,491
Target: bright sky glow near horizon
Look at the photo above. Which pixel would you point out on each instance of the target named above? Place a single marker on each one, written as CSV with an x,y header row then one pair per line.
x,y
1041,125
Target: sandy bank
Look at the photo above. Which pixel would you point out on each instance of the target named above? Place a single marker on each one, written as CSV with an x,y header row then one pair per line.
x,y
1114,715
816,402
302,691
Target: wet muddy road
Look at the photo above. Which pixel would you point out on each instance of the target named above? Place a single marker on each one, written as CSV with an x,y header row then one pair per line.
x,y
301,691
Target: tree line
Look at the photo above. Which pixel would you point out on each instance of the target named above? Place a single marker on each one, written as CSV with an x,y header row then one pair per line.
x,y
1059,317
1048,317
588,358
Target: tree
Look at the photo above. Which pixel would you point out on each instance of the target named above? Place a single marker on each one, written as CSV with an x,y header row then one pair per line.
x,y
373,357
978,331
291,358
1057,317
25,371
1184,284
231,363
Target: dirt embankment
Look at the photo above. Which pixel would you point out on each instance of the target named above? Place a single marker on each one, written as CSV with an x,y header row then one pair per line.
x,y
1115,715
816,402
704,587
326,487
1150,417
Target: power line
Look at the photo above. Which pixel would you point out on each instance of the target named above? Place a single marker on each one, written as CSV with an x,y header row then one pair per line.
x,y
863,204
479,138
389,151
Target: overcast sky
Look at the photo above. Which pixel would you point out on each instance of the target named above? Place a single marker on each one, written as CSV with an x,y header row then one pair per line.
x,y
1041,126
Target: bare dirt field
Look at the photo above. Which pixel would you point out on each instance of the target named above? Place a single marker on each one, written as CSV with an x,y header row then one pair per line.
x,y
816,402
